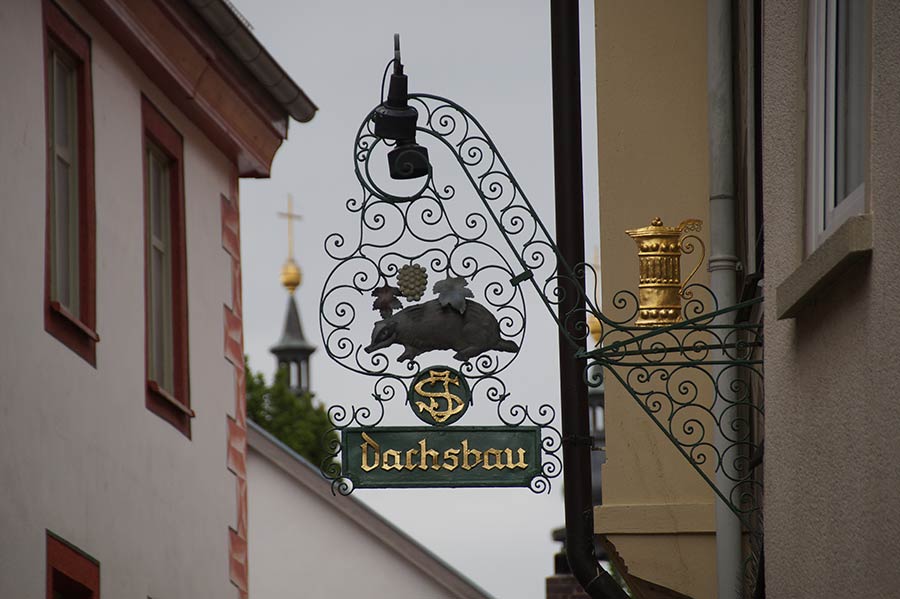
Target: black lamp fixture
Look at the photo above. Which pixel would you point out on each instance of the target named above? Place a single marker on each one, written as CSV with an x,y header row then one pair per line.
x,y
395,120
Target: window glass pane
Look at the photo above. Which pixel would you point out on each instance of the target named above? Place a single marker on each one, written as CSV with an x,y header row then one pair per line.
x,y
61,241
156,204
160,270
168,378
62,75
156,319
850,96
150,182
64,268
165,185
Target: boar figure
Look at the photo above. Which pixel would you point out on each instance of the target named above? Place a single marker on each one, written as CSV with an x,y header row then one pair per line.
x,y
430,326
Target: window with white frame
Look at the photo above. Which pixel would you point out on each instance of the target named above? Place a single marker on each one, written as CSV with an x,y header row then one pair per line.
x,y
838,115
70,246
165,274
64,196
159,249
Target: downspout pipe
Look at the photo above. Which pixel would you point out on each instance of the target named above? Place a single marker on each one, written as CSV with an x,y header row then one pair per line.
x,y
723,266
574,416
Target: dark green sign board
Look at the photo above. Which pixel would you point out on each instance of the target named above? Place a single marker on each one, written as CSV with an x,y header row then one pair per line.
x,y
457,456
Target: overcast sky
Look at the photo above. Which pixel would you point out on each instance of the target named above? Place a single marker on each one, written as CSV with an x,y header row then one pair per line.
x,y
494,59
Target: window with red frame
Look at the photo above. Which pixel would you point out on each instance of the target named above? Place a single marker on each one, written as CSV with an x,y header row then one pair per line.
x,y
71,574
165,271
69,262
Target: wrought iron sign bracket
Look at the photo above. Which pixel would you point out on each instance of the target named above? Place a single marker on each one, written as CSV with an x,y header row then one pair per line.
x,y
676,372
669,359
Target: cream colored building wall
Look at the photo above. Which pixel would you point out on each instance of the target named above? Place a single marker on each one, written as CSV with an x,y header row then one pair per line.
x,y
832,517
80,454
652,140
302,547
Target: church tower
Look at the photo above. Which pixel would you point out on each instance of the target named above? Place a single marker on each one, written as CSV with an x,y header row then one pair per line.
x,y
292,351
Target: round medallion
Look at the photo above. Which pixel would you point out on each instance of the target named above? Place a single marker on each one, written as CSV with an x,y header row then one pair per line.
x,y
439,395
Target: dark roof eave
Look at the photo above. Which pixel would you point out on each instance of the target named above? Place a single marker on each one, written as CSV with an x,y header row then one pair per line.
x,y
237,37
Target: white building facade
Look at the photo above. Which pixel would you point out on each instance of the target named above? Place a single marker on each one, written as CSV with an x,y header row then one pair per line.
x,y
125,128
306,542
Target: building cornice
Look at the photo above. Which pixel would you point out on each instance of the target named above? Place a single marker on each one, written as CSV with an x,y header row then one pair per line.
x,y
233,30
192,66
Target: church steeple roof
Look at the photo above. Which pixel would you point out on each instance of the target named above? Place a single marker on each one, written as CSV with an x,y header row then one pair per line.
x,y
293,343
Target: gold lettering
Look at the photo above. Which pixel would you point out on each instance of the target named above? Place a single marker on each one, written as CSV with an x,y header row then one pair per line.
x,y
367,443
498,462
509,459
451,454
393,459
467,452
410,464
428,453
395,462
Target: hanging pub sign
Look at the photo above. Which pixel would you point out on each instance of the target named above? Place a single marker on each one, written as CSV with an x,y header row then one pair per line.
x,y
465,456
441,456
442,453
426,299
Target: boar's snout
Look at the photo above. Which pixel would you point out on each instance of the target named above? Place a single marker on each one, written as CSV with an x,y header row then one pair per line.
x,y
382,335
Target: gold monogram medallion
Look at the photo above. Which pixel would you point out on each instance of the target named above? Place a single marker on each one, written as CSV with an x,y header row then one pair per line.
x,y
439,395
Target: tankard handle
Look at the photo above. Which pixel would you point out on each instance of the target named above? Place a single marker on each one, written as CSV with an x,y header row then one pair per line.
x,y
687,247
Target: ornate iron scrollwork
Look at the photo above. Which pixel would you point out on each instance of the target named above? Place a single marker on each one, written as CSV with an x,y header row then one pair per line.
x,y
404,236
668,370
693,378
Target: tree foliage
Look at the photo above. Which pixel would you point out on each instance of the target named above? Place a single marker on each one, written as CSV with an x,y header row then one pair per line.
x,y
293,418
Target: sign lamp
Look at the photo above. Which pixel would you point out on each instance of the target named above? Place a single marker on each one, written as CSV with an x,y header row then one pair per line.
x,y
395,120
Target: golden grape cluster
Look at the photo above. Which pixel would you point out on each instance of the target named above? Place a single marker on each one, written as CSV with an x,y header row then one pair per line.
x,y
412,280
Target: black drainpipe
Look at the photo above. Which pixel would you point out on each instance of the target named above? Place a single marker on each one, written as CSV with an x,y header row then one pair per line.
x,y
576,448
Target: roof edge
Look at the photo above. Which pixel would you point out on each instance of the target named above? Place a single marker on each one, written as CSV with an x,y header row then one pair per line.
x,y
234,32
308,475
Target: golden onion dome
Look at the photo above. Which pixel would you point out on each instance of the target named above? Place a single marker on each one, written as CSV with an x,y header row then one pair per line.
x,y
291,276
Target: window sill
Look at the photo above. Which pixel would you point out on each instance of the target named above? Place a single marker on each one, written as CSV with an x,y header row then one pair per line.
x,y
153,387
851,242
169,408
71,331
76,322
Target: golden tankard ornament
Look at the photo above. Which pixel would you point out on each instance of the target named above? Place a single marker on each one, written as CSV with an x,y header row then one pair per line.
x,y
659,251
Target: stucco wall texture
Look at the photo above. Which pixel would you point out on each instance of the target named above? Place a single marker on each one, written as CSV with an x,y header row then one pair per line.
x,y
80,454
832,411
296,538
652,124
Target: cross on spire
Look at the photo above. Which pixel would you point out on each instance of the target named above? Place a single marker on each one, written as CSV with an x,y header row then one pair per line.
x,y
293,350
291,216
